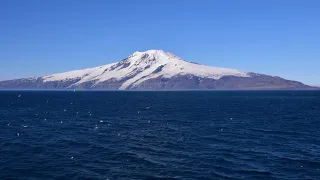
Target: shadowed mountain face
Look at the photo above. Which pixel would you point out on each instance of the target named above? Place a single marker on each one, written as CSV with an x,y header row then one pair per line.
x,y
155,70
256,82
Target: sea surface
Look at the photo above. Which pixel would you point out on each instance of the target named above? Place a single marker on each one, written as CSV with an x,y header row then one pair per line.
x,y
160,135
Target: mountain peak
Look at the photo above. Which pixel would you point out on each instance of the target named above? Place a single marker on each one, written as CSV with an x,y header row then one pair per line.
x,y
154,56
152,52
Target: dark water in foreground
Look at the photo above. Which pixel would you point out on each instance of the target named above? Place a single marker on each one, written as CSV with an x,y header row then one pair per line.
x,y
160,135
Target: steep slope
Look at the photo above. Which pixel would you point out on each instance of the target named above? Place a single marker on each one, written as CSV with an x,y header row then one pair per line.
x,y
154,70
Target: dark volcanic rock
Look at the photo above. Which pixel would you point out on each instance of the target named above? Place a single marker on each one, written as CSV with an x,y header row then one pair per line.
x,y
255,82
30,83
36,83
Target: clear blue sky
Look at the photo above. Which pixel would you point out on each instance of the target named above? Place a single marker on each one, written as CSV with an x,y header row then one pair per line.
x,y
277,37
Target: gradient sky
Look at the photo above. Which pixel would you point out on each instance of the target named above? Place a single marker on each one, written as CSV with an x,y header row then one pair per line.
x,y
277,37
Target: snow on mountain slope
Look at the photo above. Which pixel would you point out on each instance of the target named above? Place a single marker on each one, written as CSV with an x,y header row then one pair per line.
x,y
142,66
76,74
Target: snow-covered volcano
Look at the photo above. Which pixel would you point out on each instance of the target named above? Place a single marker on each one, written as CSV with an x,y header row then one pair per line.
x,y
143,66
154,69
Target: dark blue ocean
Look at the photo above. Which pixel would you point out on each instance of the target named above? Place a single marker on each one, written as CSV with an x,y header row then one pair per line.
x,y
160,135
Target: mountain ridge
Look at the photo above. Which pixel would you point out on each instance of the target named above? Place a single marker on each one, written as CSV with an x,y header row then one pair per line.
x,y
155,70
